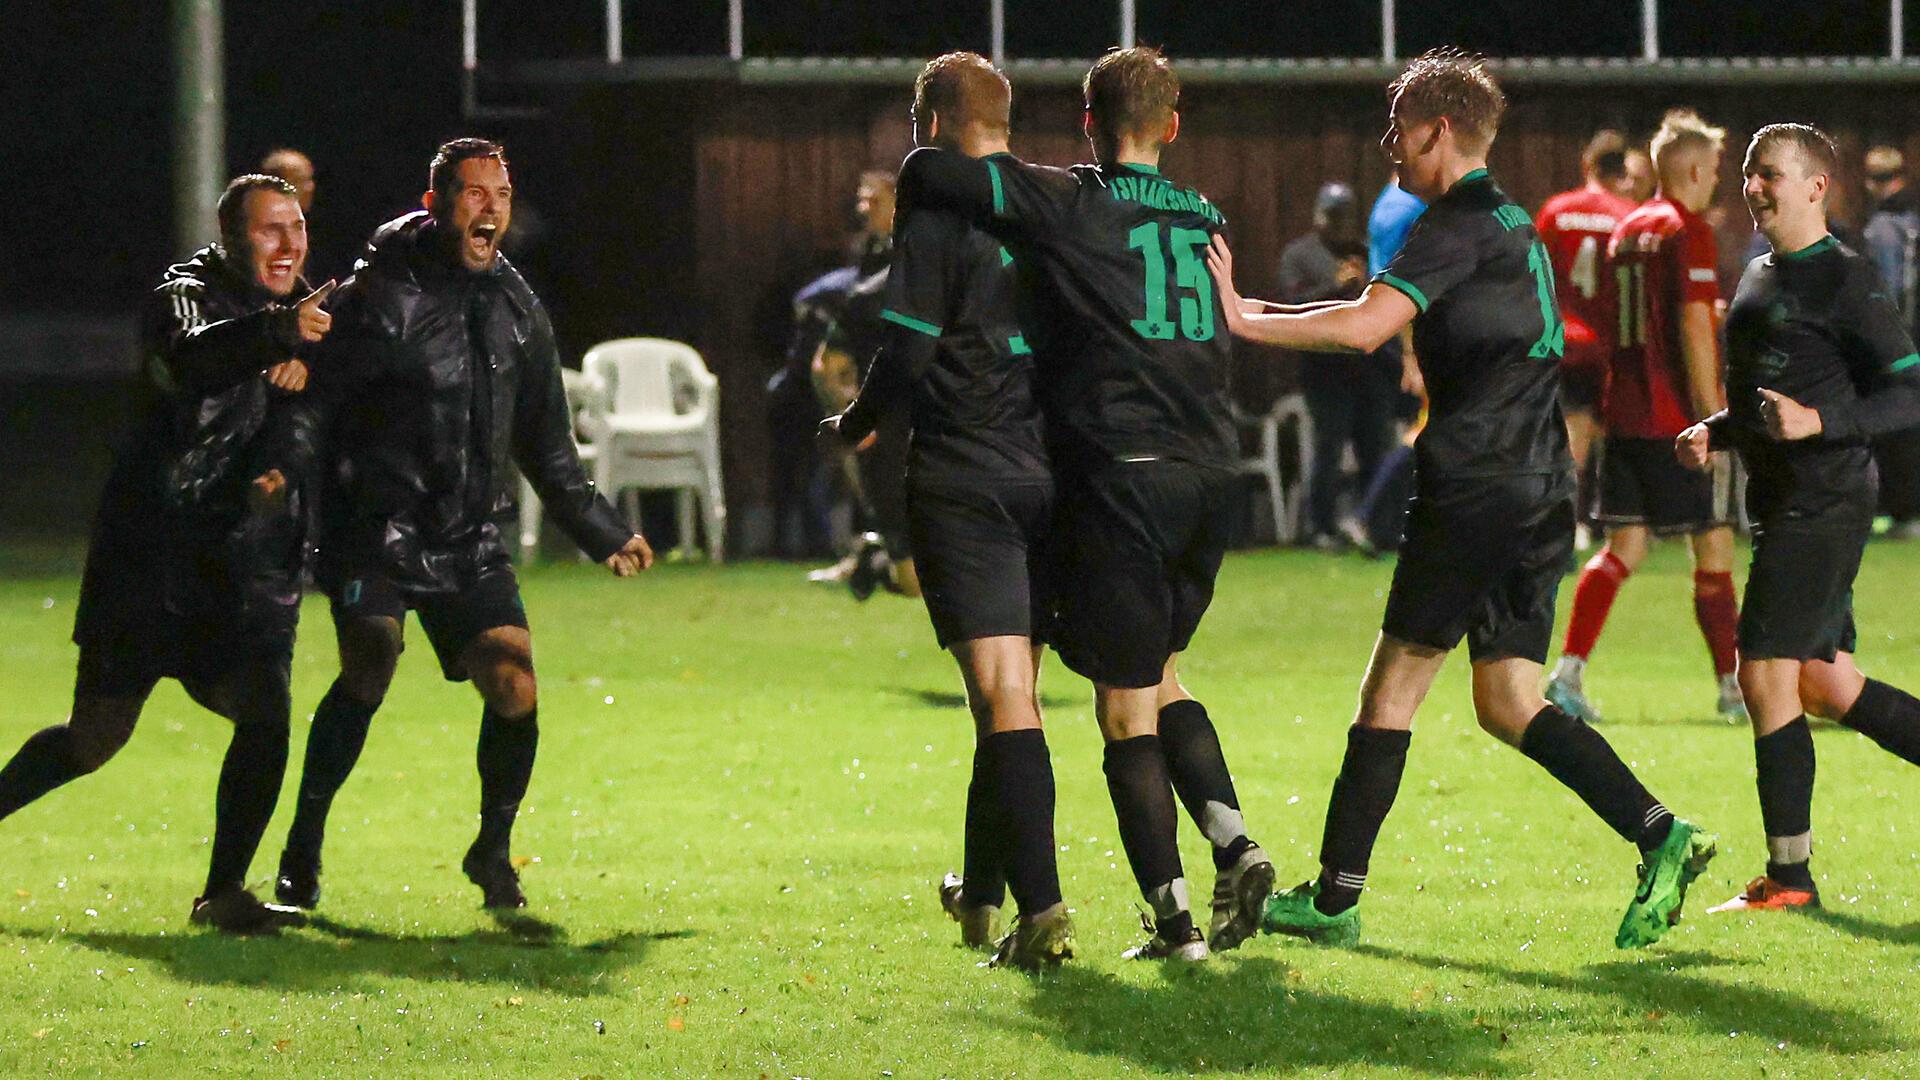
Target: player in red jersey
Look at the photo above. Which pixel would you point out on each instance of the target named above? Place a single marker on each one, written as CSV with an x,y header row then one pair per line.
x,y
1575,226
1665,374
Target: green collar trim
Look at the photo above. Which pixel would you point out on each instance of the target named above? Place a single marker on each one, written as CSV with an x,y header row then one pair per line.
x,y
1150,170
1812,249
1477,174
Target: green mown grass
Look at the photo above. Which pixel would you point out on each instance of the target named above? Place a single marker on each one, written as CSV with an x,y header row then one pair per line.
x,y
747,787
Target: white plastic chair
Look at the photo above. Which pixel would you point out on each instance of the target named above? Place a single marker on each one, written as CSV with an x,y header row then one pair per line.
x,y
660,431
585,403
1286,500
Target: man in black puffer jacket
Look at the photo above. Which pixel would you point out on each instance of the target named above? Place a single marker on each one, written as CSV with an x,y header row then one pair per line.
x,y
193,572
442,375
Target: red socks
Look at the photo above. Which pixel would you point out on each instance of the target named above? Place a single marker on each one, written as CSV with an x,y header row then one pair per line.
x,y
1593,597
1718,614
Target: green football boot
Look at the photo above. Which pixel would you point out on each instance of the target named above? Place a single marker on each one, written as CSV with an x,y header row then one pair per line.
x,y
1291,911
1664,878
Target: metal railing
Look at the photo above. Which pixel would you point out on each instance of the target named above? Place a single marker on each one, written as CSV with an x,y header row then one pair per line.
x,y
735,65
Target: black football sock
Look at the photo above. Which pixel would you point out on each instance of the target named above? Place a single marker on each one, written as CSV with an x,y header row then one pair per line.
x,y
1142,794
1200,777
250,778
1023,789
1783,767
982,882
1580,758
334,742
505,758
1889,716
1362,794
43,762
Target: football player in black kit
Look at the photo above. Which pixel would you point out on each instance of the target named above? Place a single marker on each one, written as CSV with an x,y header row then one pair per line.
x,y
1131,373
1819,363
979,505
193,570
443,375
1491,524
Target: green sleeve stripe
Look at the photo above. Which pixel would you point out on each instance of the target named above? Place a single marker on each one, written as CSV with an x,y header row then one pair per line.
x,y
999,193
910,322
1903,363
1413,293
1017,344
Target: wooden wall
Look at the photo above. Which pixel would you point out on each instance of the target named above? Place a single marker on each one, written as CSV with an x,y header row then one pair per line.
x,y
773,170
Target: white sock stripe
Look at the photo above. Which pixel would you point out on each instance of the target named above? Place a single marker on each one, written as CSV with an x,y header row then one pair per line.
x,y
1349,881
1656,813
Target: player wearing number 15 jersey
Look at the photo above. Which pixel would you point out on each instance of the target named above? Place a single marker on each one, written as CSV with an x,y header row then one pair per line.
x,y
1132,376
1491,522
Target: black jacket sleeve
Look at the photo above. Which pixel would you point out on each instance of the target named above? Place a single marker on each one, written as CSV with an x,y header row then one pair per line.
x,y
208,357
337,369
544,449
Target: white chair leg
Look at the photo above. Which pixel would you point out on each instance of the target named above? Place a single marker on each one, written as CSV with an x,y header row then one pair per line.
x,y
529,522
683,519
715,507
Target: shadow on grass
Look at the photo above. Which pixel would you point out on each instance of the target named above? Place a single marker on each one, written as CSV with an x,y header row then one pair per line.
x,y
1887,933
954,699
1662,984
1247,1016
519,950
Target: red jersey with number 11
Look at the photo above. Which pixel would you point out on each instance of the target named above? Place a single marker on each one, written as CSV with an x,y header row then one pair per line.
x,y
1575,226
1662,256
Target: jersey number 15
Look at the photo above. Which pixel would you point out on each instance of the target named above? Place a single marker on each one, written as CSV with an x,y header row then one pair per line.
x,y
1189,273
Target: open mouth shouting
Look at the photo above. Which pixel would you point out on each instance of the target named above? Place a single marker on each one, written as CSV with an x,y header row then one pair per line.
x,y
482,241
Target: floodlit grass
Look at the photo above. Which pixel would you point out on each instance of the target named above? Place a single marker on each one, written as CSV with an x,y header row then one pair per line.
x,y
747,787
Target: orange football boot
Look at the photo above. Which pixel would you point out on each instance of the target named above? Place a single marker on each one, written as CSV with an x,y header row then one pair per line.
x,y
1764,893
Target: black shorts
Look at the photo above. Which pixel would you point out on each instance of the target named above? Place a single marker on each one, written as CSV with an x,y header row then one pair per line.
x,y
1139,545
981,553
1642,483
198,657
1799,599
1482,559
451,619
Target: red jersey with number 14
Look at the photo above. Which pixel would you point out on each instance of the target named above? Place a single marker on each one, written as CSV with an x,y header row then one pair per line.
x,y
1662,256
1575,226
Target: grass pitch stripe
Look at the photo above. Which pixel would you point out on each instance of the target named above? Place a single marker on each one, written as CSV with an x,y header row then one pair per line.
x,y
910,322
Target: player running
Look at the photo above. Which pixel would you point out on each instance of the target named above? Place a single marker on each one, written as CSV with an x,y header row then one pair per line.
x,y
193,570
1132,376
441,378
1491,523
1575,226
1664,263
1820,363
979,503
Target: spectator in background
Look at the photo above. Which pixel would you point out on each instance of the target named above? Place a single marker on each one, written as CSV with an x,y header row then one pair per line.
x,y
873,206
1381,516
1892,236
330,252
1351,399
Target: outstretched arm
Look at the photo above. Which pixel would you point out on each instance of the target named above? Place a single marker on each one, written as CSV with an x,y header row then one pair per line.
x,y
1361,325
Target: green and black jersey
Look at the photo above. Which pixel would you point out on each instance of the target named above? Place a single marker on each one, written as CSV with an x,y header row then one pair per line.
x,y
1488,336
1115,298
1815,325
954,350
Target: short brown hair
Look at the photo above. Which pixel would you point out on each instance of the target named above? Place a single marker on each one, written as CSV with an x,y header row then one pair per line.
x,y
443,176
1131,91
1815,146
1605,155
965,88
1447,83
231,211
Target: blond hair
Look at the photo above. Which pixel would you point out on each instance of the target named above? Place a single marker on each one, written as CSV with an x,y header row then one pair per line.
x,y
1682,131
